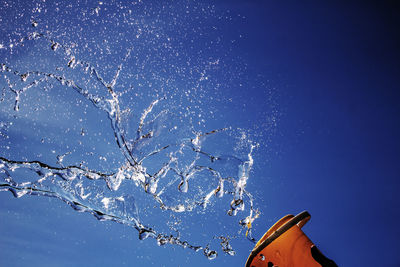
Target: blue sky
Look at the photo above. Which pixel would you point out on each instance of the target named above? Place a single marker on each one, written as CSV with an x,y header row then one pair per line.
x,y
315,84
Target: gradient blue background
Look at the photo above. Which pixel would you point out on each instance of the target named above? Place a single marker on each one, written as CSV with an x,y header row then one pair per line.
x,y
335,150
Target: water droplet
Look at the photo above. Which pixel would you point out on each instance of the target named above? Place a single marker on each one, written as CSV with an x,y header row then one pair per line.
x,y
144,233
210,254
54,46
183,186
72,62
161,241
24,77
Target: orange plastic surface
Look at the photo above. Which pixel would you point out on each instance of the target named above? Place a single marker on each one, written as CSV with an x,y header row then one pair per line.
x,y
290,249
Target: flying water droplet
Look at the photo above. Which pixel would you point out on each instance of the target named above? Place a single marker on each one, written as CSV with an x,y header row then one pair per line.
x,y
24,77
161,241
183,186
54,46
144,233
210,254
72,62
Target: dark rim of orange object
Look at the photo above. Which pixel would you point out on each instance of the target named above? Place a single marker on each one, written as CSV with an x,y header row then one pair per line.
x,y
298,219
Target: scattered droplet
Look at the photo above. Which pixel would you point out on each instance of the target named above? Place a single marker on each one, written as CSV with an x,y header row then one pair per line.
x,y
72,62
54,46
183,186
24,77
210,254
161,241
144,233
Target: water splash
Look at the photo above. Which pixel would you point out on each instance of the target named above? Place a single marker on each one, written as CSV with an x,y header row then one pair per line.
x,y
124,137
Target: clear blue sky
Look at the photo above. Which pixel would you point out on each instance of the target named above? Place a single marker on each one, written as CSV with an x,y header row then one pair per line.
x,y
314,83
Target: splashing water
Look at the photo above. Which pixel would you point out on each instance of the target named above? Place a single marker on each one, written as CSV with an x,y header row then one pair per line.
x,y
115,115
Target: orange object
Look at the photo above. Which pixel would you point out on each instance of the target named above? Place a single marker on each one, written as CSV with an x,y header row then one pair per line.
x,y
285,245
